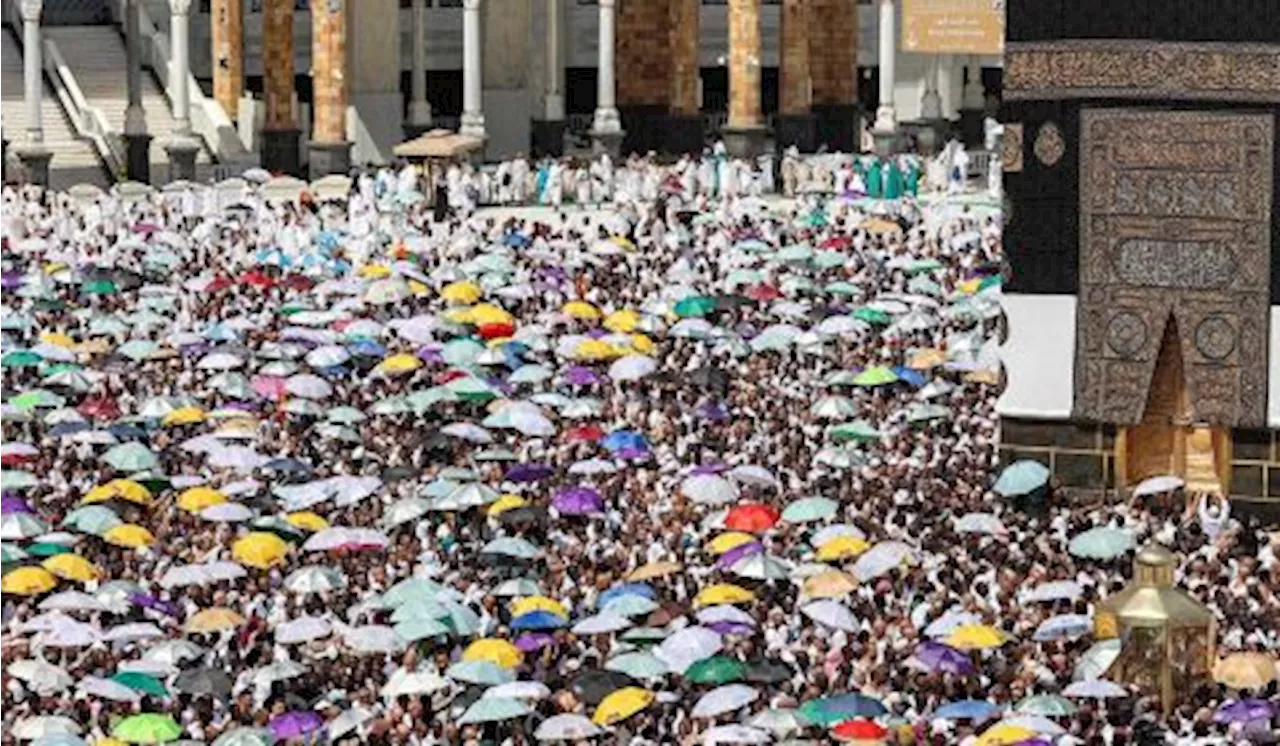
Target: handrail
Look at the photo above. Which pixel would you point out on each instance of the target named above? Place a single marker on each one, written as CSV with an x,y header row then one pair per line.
x,y
88,121
208,120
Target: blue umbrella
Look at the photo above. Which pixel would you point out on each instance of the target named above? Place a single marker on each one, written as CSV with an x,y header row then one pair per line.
x,y
967,709
827,711
537,620
620,439
913,377
367,348
516,240
625,589
1021,478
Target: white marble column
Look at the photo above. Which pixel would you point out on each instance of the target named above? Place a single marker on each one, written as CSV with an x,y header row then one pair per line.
x,y
137,140
33,69
419,107
554,100
472,122
931,100
886,116
607,120
180,54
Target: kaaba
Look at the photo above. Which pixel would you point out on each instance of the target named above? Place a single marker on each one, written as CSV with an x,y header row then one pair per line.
x,y
1142,238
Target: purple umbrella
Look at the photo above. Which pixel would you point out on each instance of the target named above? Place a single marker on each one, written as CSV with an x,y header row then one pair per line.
x,y
14,504
713,411
295,724
597,333
712,468
431,354
1244,710
528,472
577,375
1034,742
939,658
632,453
10,280
531,642
148,601
731,628
732,557
578,501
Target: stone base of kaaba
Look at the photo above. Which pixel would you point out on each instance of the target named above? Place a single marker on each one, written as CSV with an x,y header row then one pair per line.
x,y
280,152
548,137
744,142
328,158
837,127
683,134
798,131
643,125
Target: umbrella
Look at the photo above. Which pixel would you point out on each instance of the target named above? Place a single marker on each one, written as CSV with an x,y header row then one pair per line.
x,y
295,724
479,672
882,558
976,710
688,646
1048,705
208,681
1244,710
827,711
245,737
724,699
1056,590
92,519
752,518
1102,542
498,652
215,619
1022,478
709,489
141,682
107,689
718,669
639,665
1063,627
976,637
780,722
810,509
1094,662
1158,485
567,727
493,709
622,704
44,678
302,629
937,657
831,614
43,726
147,728
859,730
28,581
1244,670
260,549
1095,689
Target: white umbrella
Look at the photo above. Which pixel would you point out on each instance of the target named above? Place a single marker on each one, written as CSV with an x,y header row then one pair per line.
x,y
373,638
567,727
831,614
754,476
107,689
1063,627
220,361
762,566
1158,485
724,699
348,721
280,670
1056,590
1094,662
632,368
467,431
227,512
1095,689
68,633
487,710
72,601
173,652
979,523
735,733
950,622
827,533
882,558
709,489
308,386
44,678
302,629
525,690
45,725
593,466
403,681
133,632
315,579
780,721
688,646
601,624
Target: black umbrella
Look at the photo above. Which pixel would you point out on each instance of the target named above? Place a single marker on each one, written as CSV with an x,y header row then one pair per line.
x,y
593,686
710,378
732,302
525,516
767,672
210,681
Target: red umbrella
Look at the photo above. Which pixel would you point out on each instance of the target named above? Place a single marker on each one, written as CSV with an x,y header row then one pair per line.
x,y
16,459
298,282
496,330
583,434
450,375
99,407
257,279
859,729
763,293
221,282
837,242
752,518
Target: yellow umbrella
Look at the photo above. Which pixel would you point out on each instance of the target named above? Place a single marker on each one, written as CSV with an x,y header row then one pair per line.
x,y
1245,670
418,288
1005,734
623,242
642,344
375,271
28,581
72,567
989,377
460,315
57,339
129,536
842,547
622,322
580,309
306,520
926,359
197,499
522,606
399,364
462,292
505,503
729,541
109,742
183,416
622,704
723,593
595,349
487,313
976,637
970,286
241,427
259,549
214,619
829,584
498,652
653,570
119,489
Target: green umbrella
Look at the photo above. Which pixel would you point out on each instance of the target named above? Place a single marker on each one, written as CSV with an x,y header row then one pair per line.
x,y
493,710
141,682
20,359
47,549
471,389
809,509
875,376
37,398
697,305
245,737
717,670
1048,705
12,479
859,430
462,352
871,315
99,287
10,553
1102,542
137,349
147,728
922,265
638,665
412,630
840,287
92,519
131,457
1021,478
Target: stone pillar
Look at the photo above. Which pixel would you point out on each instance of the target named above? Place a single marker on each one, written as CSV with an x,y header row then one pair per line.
x,y
684,125
33,154
419,107
886,124
137,139
548,131
795,122
833,63
509,76
280,132
643,38
228,54
182,147
371,76
472,122
329,148
606,126
744,133
972,103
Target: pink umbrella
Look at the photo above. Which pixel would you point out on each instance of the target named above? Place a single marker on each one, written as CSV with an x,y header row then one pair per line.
x,y
269,387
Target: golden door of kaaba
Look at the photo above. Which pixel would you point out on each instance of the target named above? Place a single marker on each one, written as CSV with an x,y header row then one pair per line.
x,y
1175,255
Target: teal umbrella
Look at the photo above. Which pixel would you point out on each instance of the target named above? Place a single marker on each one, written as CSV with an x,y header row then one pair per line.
x,y
412,589
829,259
141,682
860,431
1021,478
875,376
1048,705
471,389
795,253
92,519
480,672
412,630
1103,543
871,315
841,287
131,457
46,549
20,359
11,479
462,352
494,710
638,665
810,509
697,305
716,670
922,265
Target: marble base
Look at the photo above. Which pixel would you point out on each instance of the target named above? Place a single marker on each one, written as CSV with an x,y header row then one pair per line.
x,y
744,142
280,152
138,157
931,134
548,137
683,134
328,158
796,130
182,158
887,142
35,161
607,143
